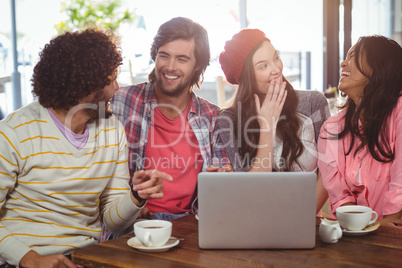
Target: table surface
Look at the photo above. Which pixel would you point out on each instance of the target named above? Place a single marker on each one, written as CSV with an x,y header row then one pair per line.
x,y
381,248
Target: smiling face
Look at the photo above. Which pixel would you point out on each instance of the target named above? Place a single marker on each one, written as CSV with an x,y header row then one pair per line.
x,y
175,65
267,66
352,81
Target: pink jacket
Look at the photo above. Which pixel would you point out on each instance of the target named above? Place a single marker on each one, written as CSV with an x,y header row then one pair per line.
x,y
362,179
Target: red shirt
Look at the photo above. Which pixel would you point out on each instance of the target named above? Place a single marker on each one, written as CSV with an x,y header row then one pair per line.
x,y
173,148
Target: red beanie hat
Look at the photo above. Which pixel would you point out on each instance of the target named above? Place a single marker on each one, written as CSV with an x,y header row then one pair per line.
x,y
234,56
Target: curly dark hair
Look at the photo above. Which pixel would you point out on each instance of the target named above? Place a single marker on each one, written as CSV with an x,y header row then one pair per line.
x,y
184,28
381,94
74,65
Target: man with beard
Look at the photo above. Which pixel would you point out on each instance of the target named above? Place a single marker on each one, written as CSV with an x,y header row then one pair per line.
x,y
63,158
168,127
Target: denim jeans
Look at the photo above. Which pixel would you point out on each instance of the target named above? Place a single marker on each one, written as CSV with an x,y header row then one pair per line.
x,y
168,216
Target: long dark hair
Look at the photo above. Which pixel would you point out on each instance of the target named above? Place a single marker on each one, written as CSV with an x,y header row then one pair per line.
x,y
384,57
244,110
184,28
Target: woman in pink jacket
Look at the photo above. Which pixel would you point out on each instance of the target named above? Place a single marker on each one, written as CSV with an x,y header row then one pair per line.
x,y
360,148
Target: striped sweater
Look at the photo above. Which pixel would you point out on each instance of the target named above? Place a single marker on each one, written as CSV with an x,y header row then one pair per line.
x,y
52,195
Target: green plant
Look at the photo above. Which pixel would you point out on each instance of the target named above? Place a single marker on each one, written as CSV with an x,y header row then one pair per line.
x,y
82,14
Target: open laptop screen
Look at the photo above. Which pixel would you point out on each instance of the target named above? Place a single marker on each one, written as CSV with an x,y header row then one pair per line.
x,y
257,210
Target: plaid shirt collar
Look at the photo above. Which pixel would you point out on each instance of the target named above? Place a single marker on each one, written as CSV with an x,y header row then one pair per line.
x,y
150,98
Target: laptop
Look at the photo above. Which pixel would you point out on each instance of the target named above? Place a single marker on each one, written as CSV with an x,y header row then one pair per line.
x,y
257,210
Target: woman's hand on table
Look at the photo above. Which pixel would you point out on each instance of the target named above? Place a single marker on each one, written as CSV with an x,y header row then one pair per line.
x,y
225,168
393,220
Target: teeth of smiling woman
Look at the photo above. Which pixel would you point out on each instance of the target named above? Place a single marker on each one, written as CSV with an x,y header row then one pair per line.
x,y
171,76
343,74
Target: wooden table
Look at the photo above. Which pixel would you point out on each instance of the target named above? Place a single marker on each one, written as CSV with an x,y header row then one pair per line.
x,y
381,248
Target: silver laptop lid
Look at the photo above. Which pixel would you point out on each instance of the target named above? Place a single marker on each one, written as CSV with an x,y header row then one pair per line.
x,y
256,210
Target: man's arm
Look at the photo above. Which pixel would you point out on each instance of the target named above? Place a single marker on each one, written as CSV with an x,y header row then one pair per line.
x,y
11,249
119,207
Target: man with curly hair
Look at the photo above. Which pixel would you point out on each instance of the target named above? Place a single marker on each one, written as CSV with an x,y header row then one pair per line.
x,y
168,127
63,158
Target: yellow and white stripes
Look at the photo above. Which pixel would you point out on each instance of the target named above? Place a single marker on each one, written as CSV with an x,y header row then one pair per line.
x,y
52,195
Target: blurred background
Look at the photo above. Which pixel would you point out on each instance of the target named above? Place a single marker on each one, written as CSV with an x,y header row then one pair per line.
x,y
311,35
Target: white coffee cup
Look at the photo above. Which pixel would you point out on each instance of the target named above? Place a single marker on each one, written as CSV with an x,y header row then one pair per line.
x,y
330,231
153,233
355,218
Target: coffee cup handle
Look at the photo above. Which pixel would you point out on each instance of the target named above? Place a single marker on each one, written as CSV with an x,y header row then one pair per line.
x,y
147,241
375,217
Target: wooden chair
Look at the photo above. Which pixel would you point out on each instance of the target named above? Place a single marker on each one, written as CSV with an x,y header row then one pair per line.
x,y
221,83
130,66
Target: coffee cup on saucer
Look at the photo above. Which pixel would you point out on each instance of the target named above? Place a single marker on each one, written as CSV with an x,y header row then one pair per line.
x,y
355,218
153,233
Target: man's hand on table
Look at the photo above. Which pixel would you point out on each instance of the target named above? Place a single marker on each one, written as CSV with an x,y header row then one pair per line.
x,y
33,259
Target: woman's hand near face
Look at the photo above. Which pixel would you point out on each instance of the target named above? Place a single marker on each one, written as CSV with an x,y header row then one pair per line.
x,y
268,116
270,110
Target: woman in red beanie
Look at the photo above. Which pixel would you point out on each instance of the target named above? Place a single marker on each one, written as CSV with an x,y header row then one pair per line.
x,y
269,126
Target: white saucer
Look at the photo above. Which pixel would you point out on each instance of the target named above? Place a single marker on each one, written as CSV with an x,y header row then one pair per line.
x,y
358,233
135,243
196,216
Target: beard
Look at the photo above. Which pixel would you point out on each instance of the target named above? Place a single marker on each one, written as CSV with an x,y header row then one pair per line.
x,y
104,110
172,93
101,107
177,91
